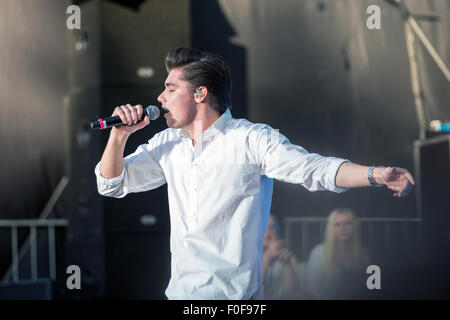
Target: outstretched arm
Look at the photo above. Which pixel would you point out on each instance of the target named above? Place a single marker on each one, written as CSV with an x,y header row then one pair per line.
x,y
352,175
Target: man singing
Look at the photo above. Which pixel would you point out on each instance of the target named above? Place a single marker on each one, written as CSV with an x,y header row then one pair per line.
x,y
219,173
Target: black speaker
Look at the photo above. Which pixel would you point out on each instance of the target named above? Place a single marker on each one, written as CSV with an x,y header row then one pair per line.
x,y
85,211
117,57
432,167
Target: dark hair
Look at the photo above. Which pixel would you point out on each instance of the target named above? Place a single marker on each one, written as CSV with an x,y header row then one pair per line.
x,y
207,69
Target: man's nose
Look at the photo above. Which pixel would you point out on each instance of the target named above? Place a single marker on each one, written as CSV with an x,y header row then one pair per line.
x,y
160,98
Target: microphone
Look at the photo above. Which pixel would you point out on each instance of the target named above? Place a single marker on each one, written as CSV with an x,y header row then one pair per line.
x,y
104,123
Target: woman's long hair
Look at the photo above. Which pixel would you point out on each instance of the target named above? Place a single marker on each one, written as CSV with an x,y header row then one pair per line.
x,y
331,260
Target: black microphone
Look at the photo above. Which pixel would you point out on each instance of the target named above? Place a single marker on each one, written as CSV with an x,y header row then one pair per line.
x,y
104,123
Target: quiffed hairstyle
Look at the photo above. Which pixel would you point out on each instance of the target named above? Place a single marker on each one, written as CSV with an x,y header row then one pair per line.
x,y
206,69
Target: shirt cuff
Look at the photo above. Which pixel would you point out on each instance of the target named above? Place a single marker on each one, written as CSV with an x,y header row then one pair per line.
x,y
108,182
333,170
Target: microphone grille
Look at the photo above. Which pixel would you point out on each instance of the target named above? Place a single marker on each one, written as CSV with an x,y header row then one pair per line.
x,y
152,112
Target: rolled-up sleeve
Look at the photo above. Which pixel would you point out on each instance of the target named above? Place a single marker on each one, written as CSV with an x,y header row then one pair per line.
x,y
108,187
281,160
142,172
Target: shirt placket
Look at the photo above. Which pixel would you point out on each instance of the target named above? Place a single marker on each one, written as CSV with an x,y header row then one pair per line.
x,y
193,212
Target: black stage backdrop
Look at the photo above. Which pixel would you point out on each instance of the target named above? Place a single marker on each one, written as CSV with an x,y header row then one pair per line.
x,y
311,69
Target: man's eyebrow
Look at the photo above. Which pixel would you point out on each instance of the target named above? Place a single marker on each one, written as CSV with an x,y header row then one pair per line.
x,y
167,84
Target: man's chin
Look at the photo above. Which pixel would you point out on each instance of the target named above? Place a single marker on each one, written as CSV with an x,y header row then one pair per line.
x,y
171,124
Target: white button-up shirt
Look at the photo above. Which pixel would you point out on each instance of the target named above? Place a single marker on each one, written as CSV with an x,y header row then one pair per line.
x,y
220,193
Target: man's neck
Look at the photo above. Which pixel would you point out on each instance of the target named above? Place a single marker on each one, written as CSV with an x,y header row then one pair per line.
x,y
204,118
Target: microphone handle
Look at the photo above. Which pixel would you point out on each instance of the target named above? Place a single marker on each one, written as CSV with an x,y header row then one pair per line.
x,y
105,123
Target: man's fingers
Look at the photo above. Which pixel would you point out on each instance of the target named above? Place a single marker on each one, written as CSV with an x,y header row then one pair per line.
x,y
402,188
126,111
408,188
398,194
130,117
406,174
403,191
133,113
395,188
129,114
396,184
144,122
410,177
120,112
139,110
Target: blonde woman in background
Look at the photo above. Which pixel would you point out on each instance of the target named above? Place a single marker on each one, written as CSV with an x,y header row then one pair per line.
x,y
336,268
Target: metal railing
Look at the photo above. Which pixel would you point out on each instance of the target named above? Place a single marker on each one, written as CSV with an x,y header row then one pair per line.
x,y
30,243
312,229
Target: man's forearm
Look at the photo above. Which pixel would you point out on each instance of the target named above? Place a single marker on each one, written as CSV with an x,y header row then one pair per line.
x,y
352,175
111,164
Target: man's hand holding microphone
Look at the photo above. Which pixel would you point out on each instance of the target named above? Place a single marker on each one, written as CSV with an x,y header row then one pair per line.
x,y
127,115
125,120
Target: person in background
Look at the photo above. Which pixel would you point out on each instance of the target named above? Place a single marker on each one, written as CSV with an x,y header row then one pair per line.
x,y
280,280
336,268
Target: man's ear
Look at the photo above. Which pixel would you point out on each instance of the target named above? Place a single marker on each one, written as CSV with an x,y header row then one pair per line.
x,y
200,94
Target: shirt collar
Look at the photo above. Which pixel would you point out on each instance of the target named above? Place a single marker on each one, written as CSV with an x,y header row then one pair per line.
x,y
221,123
218,125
